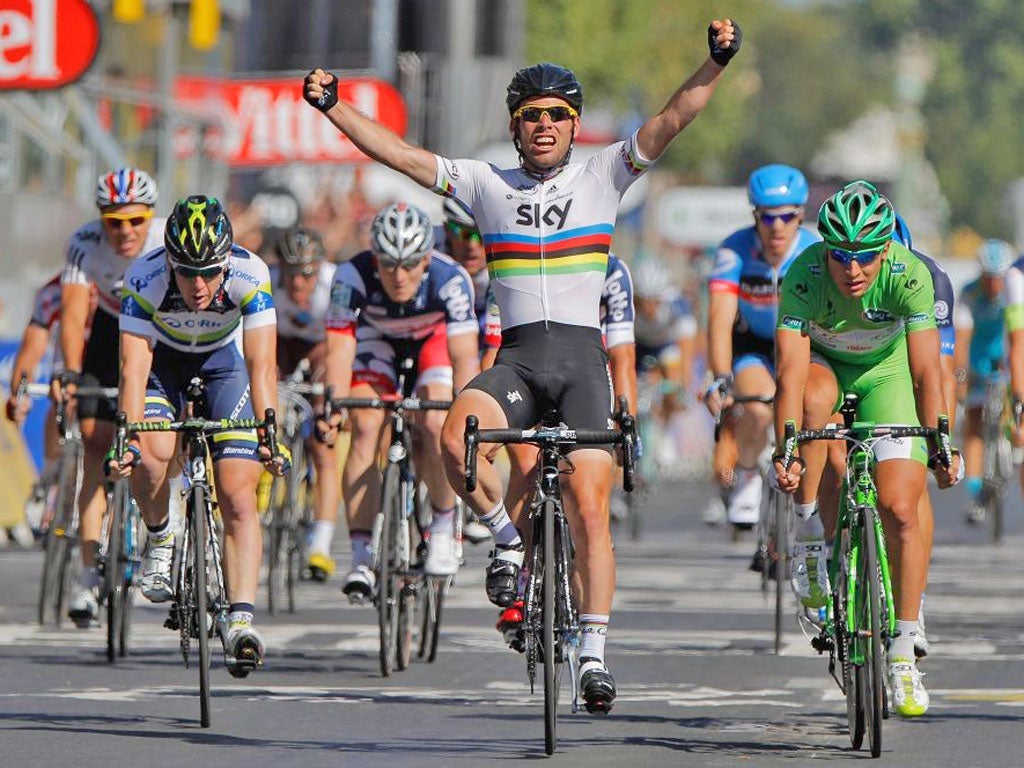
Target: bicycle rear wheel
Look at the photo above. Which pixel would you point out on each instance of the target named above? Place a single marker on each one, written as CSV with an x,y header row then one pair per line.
x,y
874,650
552,663
276,554
200,621
387,577
59,536
115,586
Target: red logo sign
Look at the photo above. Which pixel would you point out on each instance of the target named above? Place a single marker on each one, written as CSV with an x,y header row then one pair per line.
x,y
46,43
267,122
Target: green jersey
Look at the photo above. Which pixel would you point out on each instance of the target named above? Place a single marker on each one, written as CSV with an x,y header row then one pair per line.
x,y
864,330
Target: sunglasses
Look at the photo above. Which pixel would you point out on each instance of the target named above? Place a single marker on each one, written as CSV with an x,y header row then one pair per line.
x,y
467,234
843,256
136,220
555,114
191,273
770,218
306,271
386,262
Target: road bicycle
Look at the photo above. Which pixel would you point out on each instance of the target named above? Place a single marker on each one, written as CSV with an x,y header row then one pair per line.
x,y
400,580
120,562
60,519
861,617
291,497
550,617
199,606
997,467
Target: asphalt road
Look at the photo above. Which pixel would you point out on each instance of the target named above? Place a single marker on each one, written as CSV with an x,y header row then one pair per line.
x,y
689,644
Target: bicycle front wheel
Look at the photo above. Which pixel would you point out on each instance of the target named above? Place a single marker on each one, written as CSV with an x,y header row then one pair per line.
x,y
199,600
552,663
115,587
845,646
783,514
276,554
387,566
59,536
874,649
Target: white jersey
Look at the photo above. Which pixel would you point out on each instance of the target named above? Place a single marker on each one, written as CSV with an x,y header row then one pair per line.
x,y
90,260
294,322
547,242
153,306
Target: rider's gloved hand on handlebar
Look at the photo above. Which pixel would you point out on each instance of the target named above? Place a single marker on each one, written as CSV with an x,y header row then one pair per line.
x,y
718,395
279,463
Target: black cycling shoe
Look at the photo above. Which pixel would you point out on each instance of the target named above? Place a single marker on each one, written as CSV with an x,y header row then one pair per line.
x,y
503,573
596,686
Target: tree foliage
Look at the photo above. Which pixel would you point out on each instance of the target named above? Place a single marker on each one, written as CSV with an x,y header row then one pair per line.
x,y
806,70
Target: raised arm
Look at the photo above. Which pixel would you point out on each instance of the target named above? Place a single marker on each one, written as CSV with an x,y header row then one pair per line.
x,y
320,89
656,134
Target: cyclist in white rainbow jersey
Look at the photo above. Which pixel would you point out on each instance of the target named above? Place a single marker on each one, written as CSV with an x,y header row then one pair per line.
x,y
547,227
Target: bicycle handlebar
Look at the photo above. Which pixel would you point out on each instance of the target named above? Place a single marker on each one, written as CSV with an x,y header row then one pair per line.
x,y
740,400
388,403
560,436
793,437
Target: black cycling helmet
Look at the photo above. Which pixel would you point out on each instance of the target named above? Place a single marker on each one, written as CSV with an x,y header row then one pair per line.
x,y
545,79
298,247
198,233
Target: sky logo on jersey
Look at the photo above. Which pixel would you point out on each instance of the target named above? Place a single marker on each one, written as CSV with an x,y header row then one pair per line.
x,y
874,315
554,215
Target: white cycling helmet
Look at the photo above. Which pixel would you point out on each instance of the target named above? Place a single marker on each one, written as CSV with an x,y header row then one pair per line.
x,y
123,186
457,212
401,234
651,279
996,257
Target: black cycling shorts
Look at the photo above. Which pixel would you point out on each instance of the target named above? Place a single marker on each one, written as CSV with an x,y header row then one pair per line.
x,y
543,367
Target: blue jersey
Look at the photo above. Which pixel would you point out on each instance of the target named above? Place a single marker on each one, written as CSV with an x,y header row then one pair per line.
x,y
944,303
984,317
741,269
359,304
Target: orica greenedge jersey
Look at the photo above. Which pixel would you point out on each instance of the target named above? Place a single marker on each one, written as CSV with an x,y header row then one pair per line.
x,y
864,330
547,242
152,305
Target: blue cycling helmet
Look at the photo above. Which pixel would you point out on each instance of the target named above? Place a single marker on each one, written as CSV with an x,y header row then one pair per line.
x,y
996,257
901,233
772,186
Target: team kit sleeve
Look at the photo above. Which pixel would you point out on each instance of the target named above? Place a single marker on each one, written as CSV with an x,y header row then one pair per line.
x,y
457,294
347,300
256,301
915,295
945,308
1013,293
617,305
46,307
725,272
460,179
138,305
797,296
74,259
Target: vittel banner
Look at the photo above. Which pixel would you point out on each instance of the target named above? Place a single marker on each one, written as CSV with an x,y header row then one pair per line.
x,y
46,43
267,122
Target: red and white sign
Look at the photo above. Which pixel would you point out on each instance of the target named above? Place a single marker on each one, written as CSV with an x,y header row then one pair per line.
x,y
267,122
46,43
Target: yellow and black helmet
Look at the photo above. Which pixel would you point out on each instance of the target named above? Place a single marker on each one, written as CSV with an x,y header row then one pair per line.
x,y
198,233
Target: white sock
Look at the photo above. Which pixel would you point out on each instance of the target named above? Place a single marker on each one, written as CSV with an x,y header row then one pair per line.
x,y
903,643
502,529
593,631
160,535
321,537
810,528
805,511
442,520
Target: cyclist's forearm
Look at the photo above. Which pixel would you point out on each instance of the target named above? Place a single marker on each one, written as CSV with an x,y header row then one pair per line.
x,y
721,317
949,388
341,350
73,318
136,359
622,359
1017,363
32,350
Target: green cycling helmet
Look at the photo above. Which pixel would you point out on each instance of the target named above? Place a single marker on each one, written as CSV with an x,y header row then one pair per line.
x,y
857,217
